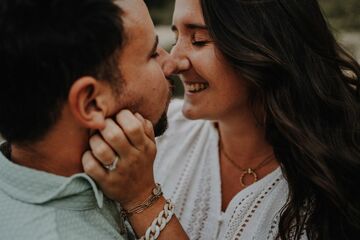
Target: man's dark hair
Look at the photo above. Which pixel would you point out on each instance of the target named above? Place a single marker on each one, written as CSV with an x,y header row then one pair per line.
x,y
45,46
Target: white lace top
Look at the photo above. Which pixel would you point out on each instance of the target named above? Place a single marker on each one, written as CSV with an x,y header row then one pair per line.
x,y
188,168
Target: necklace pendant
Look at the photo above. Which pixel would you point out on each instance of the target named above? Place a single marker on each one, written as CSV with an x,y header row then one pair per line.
x,y
245,173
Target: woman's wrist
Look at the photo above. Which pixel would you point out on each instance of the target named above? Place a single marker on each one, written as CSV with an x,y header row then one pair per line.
x,y
138,208
160,222
136,197
142,221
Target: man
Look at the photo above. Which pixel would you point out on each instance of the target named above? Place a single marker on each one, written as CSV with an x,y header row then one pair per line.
x,y
65,67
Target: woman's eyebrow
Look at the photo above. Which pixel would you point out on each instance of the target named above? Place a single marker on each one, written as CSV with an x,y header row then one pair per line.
x,y
196,26
191,26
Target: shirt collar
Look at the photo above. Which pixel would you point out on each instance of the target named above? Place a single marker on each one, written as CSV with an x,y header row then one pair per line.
x,y
78,192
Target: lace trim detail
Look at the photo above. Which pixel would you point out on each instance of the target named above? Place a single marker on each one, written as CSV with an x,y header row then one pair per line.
x,y
201,207
235,221
250,213
273,227
274,230
183,184
239,215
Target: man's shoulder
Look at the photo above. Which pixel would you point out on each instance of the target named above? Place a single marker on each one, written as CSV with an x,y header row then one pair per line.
x,y
20,220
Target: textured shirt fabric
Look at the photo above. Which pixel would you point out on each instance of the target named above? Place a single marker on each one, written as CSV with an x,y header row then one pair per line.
x,y
188,167
36,205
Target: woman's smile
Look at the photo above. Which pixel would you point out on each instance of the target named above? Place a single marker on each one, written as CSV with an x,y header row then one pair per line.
x,y
193,88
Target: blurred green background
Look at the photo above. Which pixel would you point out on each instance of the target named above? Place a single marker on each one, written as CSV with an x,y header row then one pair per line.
x,y
343,17
342,14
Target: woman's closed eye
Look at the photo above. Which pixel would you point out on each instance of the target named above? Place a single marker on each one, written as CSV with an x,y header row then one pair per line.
x,y
195,41
200,39
200,43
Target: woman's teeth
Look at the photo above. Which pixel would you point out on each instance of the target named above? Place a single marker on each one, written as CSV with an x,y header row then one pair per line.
x,y
196,87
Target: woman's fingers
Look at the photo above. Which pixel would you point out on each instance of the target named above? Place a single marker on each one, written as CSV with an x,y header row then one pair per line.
x,y
133,129
101,150
93,168
116,138
131,134
148,127
132,138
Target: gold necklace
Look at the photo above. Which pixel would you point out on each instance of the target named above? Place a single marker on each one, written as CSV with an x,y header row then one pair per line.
x,y
249,171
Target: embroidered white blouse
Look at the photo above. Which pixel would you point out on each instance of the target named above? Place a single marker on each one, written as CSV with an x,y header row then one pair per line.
x,y
187,166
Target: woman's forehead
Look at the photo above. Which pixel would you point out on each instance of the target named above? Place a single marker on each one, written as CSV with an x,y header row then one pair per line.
x,y
187,12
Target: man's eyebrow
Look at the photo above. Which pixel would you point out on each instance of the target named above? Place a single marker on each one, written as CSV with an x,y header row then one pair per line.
x,y
191,26
156,43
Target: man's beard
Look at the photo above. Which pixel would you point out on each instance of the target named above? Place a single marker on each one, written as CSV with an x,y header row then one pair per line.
x,y
161,126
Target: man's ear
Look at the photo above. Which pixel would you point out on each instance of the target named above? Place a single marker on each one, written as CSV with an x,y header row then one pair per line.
x,y
89,102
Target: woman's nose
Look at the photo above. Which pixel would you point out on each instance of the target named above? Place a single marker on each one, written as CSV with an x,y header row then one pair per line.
x,y
167,63
178,55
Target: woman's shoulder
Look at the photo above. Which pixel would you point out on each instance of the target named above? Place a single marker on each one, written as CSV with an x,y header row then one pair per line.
x,y
178,124
174,113
183,140
174,110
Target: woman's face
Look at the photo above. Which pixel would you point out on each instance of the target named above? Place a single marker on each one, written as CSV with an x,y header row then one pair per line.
x,y
213,90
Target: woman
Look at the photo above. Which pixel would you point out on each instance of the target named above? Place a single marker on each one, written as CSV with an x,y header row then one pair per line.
x,y
275,150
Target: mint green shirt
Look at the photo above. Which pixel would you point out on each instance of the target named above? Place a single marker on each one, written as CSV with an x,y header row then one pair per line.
x,y
36,205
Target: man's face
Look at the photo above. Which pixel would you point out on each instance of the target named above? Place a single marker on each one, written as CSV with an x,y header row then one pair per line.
x,y
144,87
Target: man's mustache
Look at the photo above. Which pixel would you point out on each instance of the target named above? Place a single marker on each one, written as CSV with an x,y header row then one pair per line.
x,y
171,79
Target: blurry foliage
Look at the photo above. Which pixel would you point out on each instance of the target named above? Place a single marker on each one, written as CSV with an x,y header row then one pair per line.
x,y
342,14
161,11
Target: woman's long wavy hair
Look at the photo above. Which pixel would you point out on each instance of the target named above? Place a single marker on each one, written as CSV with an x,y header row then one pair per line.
x,y
309,88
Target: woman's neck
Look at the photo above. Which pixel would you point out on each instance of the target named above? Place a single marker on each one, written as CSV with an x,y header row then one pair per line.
x,y
244,142
244,139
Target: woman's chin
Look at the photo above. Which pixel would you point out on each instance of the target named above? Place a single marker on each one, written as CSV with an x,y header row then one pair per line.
x,y
190,112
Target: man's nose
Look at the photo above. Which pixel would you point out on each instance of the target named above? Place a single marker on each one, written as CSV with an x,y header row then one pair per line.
x,y
168,64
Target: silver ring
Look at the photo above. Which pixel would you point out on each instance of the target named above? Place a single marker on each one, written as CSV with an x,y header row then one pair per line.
x,y
113,165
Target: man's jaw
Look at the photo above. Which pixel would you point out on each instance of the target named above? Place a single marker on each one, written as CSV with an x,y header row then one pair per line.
x,y
161,126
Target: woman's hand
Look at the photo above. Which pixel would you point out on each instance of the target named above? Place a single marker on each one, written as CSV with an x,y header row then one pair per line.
x,y
131,138
132,181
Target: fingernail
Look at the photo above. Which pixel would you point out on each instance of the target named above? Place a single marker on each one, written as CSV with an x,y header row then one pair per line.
x,y
140,116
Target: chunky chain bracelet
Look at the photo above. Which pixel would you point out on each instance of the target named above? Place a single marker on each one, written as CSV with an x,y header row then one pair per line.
x,y
159,223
